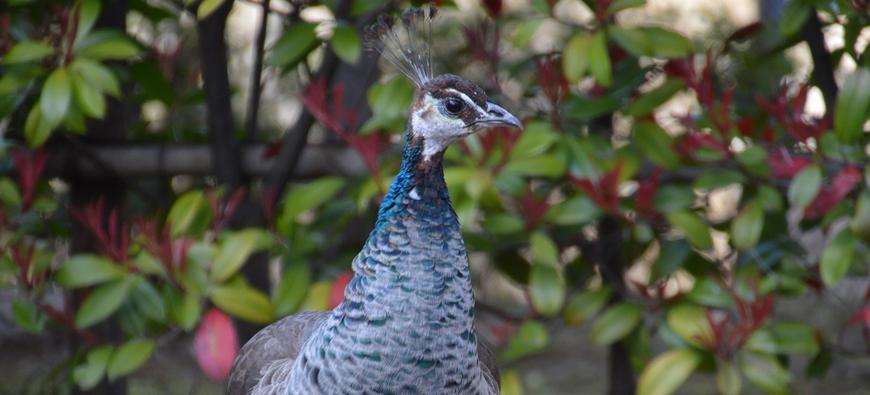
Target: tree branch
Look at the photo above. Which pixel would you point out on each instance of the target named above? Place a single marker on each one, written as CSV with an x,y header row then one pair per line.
x,y
253,109
823,69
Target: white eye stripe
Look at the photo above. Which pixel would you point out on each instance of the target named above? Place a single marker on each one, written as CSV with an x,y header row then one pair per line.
x,y
467,100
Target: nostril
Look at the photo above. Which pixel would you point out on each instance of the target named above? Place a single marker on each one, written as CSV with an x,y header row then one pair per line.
x,y
496,113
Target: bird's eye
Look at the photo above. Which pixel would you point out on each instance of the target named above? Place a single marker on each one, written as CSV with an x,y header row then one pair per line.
x,y
453,105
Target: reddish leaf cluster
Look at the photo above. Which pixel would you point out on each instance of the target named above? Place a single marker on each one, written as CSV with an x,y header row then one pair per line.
x,y
789,112
551,79
22,257
29,166
159,243
730,333
604,191
339,120
483,41
112,234
832,194
862,317
784,165
532,208
222,210
689,144
646,191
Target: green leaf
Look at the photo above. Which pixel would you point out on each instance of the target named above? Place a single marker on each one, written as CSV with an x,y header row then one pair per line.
x,y
648,102
148,301
693,227
619,5
805,186
728,380
298,40
616,323
575,57
26,315
690,323
536,138
584,305
765,372
190,214
651,41
525,31
670,198
106,44
308,197
837,257
502,224
793,17
207,7
860,223
656,144
9,194
184,309
853,106
103,301
242,301
235,249
346,44
88,12
27,51
89,373
148,264
88,97
97,75
546,289
718,178
129,357
708,292
291,291
574,211
672,255
746,227
530,338
664,374
795,337
544,250
85,270
55,97
599,60
511,383
539,166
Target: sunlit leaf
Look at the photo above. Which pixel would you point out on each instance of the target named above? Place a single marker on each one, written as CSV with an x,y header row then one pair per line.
x,y
235,249
728,379
27,51
106,44
765,372
85,270
87,97
694,228
88,12
103,301
207,7
575,57
664,374
346,43
837,257
805,186
190,214
690,323
746,227
616,323
242,301
583,306
853,105
546,289
599,59
530,338
129,357
55,98
90,372
298,40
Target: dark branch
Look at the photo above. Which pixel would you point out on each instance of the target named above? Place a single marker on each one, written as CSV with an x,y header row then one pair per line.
x,y
253,109
823,68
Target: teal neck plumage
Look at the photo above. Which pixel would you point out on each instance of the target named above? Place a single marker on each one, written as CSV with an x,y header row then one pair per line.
x,y
407,318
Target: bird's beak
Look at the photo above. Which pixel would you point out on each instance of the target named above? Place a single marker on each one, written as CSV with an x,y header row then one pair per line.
x,y
498,116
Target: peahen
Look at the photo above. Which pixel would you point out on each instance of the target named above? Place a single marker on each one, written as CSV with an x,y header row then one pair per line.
x,y
406,325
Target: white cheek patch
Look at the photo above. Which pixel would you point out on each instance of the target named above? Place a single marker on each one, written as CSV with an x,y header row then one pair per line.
x,y
437,130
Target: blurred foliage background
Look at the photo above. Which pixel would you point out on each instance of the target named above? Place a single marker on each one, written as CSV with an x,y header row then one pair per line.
x,y
686,211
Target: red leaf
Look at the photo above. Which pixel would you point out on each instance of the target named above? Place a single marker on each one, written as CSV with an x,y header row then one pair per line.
x,y
336,292
605,191
832,194
646,192
532,208
784,165
30,166
551,78
215,345
745,32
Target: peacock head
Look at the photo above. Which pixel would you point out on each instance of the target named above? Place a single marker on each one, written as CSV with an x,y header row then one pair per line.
x,y
446,107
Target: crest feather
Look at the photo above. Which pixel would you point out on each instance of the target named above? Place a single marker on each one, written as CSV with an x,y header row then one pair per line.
x,y
406,42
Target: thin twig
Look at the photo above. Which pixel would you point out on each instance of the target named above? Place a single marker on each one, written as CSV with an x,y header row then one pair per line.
x,y
256,76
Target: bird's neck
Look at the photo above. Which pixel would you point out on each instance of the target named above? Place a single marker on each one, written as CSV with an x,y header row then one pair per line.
x,y
420,181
